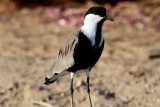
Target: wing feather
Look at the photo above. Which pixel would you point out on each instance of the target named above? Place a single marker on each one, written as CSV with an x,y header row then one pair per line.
x,y
63,61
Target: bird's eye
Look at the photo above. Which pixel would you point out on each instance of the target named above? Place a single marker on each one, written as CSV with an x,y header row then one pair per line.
x,y
95,13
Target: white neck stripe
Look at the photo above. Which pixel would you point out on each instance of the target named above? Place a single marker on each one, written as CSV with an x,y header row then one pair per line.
x,y
90,26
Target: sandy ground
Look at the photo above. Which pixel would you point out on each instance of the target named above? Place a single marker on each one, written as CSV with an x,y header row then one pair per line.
x,y
125,76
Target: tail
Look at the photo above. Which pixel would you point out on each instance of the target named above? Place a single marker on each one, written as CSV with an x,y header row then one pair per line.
x,y
50,80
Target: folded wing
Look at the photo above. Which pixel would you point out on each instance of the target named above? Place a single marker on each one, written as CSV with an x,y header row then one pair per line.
x,y
63,61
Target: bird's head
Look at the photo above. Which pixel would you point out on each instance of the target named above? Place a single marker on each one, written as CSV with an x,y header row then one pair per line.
x,y
97,14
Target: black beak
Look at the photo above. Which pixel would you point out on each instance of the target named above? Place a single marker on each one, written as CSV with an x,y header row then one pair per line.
x,y
108,18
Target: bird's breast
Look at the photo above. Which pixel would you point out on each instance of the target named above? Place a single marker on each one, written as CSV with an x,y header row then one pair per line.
x,y
85,55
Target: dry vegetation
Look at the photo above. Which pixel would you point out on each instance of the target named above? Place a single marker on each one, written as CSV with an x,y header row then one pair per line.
x,y
127,75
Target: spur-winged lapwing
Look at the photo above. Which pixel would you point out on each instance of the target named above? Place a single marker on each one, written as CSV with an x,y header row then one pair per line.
x,y
82,50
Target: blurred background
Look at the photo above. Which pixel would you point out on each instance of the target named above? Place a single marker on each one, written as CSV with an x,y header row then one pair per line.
x,y
127,74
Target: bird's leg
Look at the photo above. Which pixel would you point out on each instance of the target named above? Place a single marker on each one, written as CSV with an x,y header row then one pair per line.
x,y
88,88
71,88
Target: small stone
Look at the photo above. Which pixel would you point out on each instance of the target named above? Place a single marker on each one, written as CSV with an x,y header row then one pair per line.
x,y
16,85
41,88
107,94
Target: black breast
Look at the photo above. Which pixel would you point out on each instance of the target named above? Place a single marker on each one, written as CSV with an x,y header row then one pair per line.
x,y
85,55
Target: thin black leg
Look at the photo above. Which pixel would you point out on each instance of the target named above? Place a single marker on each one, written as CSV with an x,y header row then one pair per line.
x,y
71,88
88,89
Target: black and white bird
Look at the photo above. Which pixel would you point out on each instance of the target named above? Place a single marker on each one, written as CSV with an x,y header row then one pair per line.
x,y
82,50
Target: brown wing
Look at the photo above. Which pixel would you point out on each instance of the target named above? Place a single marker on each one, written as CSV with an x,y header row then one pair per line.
x,y
64,59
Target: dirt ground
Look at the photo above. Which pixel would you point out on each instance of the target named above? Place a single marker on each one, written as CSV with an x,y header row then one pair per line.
x,y
125,76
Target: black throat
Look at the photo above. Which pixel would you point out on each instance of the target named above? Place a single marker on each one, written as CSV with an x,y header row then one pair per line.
x,y
98,33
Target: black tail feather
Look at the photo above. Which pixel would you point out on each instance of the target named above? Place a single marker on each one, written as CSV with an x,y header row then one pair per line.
x,y
48,82
52,79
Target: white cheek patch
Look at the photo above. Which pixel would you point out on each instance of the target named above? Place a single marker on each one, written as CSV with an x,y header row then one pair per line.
x,y
91,18
90,26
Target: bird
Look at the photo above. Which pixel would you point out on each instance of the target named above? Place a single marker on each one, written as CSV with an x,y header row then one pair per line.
x,y
81,50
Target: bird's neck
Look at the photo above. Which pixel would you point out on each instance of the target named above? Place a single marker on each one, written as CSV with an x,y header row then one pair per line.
x,y
92,31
